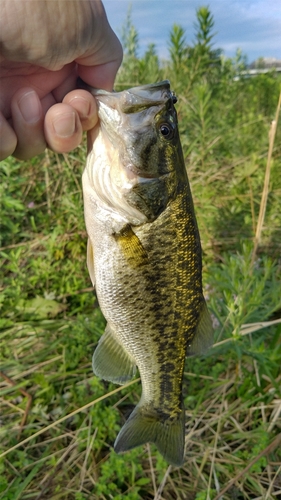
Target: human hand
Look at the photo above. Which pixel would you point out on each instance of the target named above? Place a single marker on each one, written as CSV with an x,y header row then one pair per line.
x,y
44,46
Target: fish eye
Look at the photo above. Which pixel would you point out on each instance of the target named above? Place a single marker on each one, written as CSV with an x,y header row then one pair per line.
x,y
167,130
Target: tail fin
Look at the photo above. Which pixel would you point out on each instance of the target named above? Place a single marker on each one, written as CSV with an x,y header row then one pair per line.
x,y
144,425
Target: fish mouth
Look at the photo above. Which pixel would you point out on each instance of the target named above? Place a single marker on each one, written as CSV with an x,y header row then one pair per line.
x,y
133,99
133,172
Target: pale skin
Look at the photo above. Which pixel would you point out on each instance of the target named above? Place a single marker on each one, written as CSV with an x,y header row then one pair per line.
x,y
44,46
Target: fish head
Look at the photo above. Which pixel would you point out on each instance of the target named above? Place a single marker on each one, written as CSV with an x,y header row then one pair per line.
x,y
140,146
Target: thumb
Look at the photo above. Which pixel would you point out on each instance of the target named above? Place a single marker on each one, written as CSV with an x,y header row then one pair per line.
x,y
98,66
100,76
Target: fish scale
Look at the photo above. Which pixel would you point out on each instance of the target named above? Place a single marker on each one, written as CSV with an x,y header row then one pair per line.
x,y
144,257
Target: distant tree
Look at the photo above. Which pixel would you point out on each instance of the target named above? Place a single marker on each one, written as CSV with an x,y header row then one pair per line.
x,y
202,50
129,36
239,61
128,74
204,25
149,66
190,63
177,47
135,70
151,54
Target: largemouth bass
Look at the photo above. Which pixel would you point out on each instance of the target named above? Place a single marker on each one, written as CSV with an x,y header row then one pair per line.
x,y
144,258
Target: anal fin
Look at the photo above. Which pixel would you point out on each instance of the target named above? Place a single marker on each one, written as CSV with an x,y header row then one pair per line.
x,y
111,361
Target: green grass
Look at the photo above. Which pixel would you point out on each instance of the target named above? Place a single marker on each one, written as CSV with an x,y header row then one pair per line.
x,y
59,421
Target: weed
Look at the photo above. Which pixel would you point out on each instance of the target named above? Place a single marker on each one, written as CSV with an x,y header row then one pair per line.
x,y
59,421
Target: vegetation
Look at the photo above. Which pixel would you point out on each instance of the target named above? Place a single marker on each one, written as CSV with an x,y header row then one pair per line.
x,y
59,421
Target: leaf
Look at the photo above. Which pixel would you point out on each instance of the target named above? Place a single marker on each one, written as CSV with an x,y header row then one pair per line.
x,y
40,307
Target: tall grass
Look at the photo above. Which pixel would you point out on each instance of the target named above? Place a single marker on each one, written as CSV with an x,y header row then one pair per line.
x,y
58,421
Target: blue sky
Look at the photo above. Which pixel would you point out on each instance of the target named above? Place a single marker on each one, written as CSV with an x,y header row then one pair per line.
x,y
253,26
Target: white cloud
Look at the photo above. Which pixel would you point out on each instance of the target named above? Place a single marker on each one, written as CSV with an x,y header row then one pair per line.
x,y
254,26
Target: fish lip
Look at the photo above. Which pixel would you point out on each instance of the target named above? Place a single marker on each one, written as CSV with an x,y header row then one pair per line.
x,y
139,173
99,92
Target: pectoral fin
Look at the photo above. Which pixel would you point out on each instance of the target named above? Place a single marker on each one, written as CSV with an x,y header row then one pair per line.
x,y
131,246
203,338
90,261
111,361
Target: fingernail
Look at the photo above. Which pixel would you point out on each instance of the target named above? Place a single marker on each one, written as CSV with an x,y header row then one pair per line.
x,y
30,107
81,105
64,124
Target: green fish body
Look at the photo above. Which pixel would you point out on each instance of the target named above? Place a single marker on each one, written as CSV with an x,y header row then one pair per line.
x,y
144,258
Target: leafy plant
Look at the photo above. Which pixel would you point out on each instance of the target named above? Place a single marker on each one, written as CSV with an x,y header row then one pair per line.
x,y
59,421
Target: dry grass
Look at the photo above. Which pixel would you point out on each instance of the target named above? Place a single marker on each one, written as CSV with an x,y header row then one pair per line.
x,y
230,451
264,199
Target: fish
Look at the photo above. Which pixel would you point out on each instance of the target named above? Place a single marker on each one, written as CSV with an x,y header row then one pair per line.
x,y
145,260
